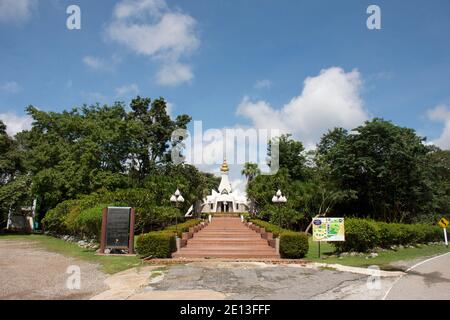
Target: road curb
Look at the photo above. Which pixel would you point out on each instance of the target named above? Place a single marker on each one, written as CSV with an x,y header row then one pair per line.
x,y
358,270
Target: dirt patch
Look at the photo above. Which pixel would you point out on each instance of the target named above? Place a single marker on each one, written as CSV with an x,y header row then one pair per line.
x,y
29,272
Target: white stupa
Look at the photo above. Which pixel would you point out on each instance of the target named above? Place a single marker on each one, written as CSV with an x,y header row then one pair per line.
x,y
226,200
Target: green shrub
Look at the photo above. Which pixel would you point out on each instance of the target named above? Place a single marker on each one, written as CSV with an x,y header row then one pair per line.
x,y
433,233
407,234
390,234
183,227
360,235
363,234
158,244
63,219
54,220
89,222
269,227
293,245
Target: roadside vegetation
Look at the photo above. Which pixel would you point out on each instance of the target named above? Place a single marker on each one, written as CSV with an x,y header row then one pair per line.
x,y
383,258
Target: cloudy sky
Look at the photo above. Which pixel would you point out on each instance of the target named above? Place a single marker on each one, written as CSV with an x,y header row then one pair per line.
x,y
298,66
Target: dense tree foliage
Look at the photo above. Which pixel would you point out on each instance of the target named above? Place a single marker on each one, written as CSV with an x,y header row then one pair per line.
x,y
378,170
68,154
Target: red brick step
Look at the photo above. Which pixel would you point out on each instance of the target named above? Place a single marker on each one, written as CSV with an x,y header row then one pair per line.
x,y
226,237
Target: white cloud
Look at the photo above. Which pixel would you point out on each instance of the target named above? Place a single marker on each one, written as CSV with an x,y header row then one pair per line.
x,y
10,87
328,100
93,62
263,84
127,90
441,113
174,74
151,28
15,123
16,11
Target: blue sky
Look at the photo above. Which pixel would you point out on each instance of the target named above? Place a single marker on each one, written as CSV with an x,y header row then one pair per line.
x,y
228,60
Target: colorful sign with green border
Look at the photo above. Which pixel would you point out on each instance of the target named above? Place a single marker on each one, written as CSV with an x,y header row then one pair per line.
x,y
328,229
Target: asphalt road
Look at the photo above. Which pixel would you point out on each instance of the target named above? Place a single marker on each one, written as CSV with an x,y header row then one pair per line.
x,y
429,279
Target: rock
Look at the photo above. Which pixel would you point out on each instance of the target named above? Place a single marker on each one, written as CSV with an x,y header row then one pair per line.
x,y
374,255
353,254
82,243
107,251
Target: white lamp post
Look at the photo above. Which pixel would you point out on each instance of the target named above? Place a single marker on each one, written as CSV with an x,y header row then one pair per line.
x,y
176,198
278,199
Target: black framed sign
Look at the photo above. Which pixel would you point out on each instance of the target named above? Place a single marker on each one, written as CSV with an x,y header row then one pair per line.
x,y
118,229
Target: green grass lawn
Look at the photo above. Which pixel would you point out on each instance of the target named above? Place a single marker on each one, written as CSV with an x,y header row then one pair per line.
x,y
108,264
384,259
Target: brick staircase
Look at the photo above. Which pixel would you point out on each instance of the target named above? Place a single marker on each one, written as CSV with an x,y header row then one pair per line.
x,y
226,237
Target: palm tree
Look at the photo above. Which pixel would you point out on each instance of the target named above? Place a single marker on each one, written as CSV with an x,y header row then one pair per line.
x,y
250,171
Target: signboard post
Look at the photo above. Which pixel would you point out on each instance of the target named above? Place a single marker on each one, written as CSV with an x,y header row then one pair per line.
x,y
444,224
328,230
118,229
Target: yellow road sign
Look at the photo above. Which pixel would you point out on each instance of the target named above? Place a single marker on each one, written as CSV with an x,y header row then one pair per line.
x,y
443,223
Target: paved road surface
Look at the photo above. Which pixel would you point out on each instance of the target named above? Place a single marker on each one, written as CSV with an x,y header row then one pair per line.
x,y
29,272
429,279
242,280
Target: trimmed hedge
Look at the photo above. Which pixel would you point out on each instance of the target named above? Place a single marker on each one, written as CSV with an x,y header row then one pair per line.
x,y
183,227
293,245
158,244
269,227
161,244
362,235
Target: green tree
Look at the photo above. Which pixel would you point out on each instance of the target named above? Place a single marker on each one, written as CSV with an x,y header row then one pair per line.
x,y
384,165
250,171
290,154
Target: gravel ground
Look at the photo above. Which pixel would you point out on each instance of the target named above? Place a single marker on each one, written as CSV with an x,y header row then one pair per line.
x,y
28,272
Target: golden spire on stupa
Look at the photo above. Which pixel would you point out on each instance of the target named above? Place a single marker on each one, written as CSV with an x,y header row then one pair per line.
x,y
224,167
